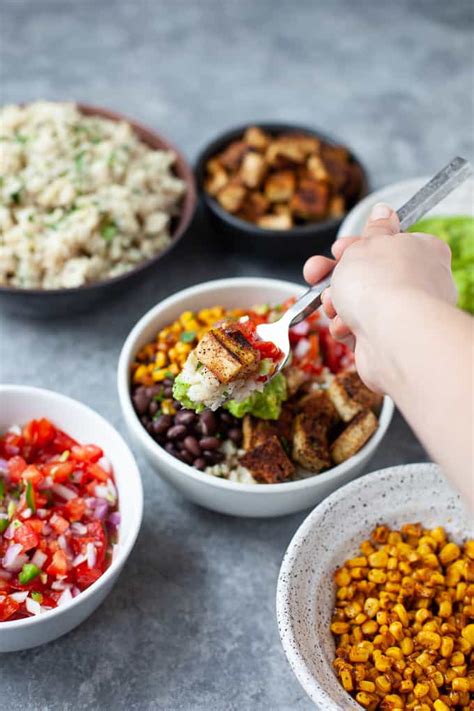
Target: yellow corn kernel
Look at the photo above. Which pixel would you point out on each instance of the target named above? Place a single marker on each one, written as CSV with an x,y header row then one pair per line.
x,y
173,369
366,548
422,615
160,360
447,646
439,705
438,534
140,372
429,640
352,610
382,663
401,613
464,646
357,635
370,627
397,630
360,619
393,701
436,578
340,627
453,576
407,646
342,577
383,684
406,686
431,626
421,690
438,678
468,634
394,653
392,564
379,559
371,606
382,617
358,562
445,609
368,686
359,654
457,659
424,660
449,553
159,375
346,680
460,669
168,407
469,549
377,576
364,699
460,684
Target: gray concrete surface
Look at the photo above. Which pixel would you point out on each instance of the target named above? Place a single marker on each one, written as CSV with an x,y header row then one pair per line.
x,y
191,622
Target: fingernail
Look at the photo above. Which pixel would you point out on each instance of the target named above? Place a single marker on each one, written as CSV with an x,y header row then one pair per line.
x,y
380,211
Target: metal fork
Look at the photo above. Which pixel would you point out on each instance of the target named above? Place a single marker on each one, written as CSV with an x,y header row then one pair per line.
x,y
444,182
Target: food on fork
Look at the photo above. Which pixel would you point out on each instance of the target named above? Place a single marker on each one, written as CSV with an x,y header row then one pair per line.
x,y
264,430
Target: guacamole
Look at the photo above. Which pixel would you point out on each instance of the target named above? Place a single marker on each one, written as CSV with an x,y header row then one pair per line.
x,y
458,232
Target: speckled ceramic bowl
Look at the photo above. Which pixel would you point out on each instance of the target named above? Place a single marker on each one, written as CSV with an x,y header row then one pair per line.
x,y
330,535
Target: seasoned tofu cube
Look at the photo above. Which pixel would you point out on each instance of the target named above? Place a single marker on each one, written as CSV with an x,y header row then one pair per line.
x,y
253,169
254,206
232,156
311,443
317,404
255,432
284,153
228,355
276,222
231,196
256,138
353,438
337,206
268,463
311,200
316,168
216,179
305,143
280,186
350,395
295,377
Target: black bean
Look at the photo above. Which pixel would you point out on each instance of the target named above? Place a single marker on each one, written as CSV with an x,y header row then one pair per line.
x,y
168,391
211,456
209,443
154,390
192,445
162,424
176,432
177,405
226,417
149,428
185,456
184,417
153,407
171,449
141,400
200,463
208,422
235,434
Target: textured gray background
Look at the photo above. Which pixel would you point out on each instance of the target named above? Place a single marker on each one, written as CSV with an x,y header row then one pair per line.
x,y
191,623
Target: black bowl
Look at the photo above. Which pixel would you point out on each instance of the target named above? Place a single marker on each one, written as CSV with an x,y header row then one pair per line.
x,y
46,303
301,241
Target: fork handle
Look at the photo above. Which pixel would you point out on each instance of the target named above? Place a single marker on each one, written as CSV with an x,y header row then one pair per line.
x,y
444,182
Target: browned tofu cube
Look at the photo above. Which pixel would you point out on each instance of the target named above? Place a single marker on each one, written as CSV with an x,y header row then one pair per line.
x,y
280,186
256,138
316,168
235,342
275,222
232,156
318,405
311,443
357,433
350,395
254,206
295,378
311,200
354,182
268,463
284,153
337,206
231,196
223,364
305,143
253,169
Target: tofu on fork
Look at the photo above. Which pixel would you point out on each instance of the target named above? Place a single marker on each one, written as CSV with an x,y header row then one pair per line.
x,y
227,354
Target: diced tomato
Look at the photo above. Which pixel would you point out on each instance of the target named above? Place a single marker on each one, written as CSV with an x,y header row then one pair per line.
x,y
38,432
36,524
62,442
16,467
268,349
333,351
58,565
59,523
85,576
87,452
26,536
59,471
313,352
8,607
75,509
97,472
33,474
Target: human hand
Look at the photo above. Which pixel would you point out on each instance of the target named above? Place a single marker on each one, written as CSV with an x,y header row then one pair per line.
x,y
375,273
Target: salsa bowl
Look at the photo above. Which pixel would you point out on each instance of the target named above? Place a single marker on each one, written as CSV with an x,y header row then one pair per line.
x,y
331,534
239,499
18,405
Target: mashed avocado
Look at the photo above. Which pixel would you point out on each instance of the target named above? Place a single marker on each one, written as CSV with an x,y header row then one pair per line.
x,y
458,232
180,393
265,405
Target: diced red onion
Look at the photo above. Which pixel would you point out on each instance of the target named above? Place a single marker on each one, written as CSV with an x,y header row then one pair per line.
x,y
65,597
3,466
76,477
80,558
27,513
75,591
5,574
114,518
46,483
62,542
8,534
105,464
39,558
13,559
301,348
15,429
64,492
33,607
46,529
19,596
101,491
91,555
59,585
41,513
100,509
301,329
78,528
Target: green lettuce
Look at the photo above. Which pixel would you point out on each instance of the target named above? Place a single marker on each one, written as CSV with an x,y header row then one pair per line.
x,y
265,405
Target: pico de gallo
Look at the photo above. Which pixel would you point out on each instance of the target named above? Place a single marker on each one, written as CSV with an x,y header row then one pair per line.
x,y
59,518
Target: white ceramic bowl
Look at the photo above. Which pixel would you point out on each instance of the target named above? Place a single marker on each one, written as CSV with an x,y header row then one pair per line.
x,y
219,494
18,404
330,535
459,202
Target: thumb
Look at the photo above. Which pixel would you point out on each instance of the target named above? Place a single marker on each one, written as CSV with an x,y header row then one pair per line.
x,y
383,220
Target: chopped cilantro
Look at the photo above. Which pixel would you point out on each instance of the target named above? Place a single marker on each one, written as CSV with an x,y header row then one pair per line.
x,y
19,138
188,336
109,230
79,161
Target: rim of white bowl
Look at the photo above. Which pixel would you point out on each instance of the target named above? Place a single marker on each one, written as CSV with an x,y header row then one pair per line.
x,y
288,638
409,186
154,449
125,550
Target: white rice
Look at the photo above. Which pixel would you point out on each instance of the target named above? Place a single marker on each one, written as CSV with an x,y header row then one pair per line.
x,y
205,388
231,468
82,198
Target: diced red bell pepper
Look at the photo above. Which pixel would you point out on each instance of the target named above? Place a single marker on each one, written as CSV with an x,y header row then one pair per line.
x,y
8,607
87,452
59,471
